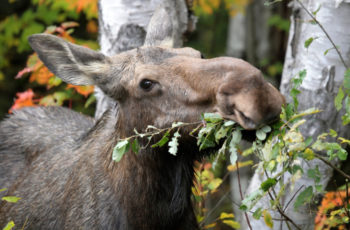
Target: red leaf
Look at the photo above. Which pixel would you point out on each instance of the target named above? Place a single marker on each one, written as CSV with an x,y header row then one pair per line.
x,y
23,99
22,72
83,90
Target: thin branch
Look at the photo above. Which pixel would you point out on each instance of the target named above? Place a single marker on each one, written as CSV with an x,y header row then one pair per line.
x,y
240,192
291,199
324,31
332,166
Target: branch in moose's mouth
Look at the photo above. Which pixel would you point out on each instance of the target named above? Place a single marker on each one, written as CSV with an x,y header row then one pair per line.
x,y
210,132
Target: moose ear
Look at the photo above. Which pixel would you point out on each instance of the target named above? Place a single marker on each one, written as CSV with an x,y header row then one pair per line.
x,y
74,64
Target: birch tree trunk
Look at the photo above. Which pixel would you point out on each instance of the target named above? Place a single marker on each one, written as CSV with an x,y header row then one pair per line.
x,y
123,26
324,76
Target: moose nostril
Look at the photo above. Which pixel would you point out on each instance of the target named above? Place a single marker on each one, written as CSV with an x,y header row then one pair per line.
x,y
249,123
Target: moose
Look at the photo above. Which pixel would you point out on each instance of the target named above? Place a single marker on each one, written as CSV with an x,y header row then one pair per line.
x,y
59,161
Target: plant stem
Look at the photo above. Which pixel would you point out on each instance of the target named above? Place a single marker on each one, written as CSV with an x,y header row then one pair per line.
x,y
324,31
240,192
332,166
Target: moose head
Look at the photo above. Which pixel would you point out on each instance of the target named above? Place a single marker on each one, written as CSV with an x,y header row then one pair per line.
x,y
159,85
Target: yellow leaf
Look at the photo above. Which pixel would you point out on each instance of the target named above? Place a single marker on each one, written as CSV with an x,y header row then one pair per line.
x,y
232,224
210,226
225,215
240,165
9,225
268,219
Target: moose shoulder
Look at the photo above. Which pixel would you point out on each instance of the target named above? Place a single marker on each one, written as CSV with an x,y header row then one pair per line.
x,y
59,162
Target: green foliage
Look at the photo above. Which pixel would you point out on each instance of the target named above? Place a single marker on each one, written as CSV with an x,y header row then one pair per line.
x,y
12,199
10,225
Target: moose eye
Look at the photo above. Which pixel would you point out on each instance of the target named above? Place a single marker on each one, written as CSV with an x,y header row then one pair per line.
x,y
146,84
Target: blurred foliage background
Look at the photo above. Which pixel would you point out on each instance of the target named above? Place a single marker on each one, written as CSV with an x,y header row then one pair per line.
x,y
25,81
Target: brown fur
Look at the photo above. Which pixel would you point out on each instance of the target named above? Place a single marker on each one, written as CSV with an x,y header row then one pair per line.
x,y
59,161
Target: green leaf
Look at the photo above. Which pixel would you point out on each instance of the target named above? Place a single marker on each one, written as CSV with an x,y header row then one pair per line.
x,y
267,184
327,50
177,124
342,154
308,42
266,129
11,199
119,150
314,174
251,200
9,225
3,189
257,214
90,100
162,141
261,135
229,123
338,100
268,219
174,143
346,82
308,141
212,117
135,146
316,11
303,198
236,136
221,133
333,133
232,224
233,155
214,184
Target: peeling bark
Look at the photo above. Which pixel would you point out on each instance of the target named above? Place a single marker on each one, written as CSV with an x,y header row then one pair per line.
x,y
324,76
123,26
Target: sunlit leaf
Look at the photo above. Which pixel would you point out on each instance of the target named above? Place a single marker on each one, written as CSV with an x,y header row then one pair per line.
x,y
267,184
225,215
232,224
9,225
338,100
308,42
257,213
268,219
120,149
11,199
162,141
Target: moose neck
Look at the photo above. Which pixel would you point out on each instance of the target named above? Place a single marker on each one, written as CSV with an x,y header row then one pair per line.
x,y
153,187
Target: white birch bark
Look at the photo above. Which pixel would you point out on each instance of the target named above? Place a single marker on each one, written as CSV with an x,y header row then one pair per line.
x,y
324,76
123,26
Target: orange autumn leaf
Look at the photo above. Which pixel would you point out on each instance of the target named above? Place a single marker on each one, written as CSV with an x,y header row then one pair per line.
x,y
84,90
24,99
92,27
41,76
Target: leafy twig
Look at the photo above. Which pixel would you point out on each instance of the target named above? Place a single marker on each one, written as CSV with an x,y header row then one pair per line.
x,y
324,31
240,192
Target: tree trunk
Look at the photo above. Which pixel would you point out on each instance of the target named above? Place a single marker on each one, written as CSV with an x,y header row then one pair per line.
x,y
324,76
123,26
